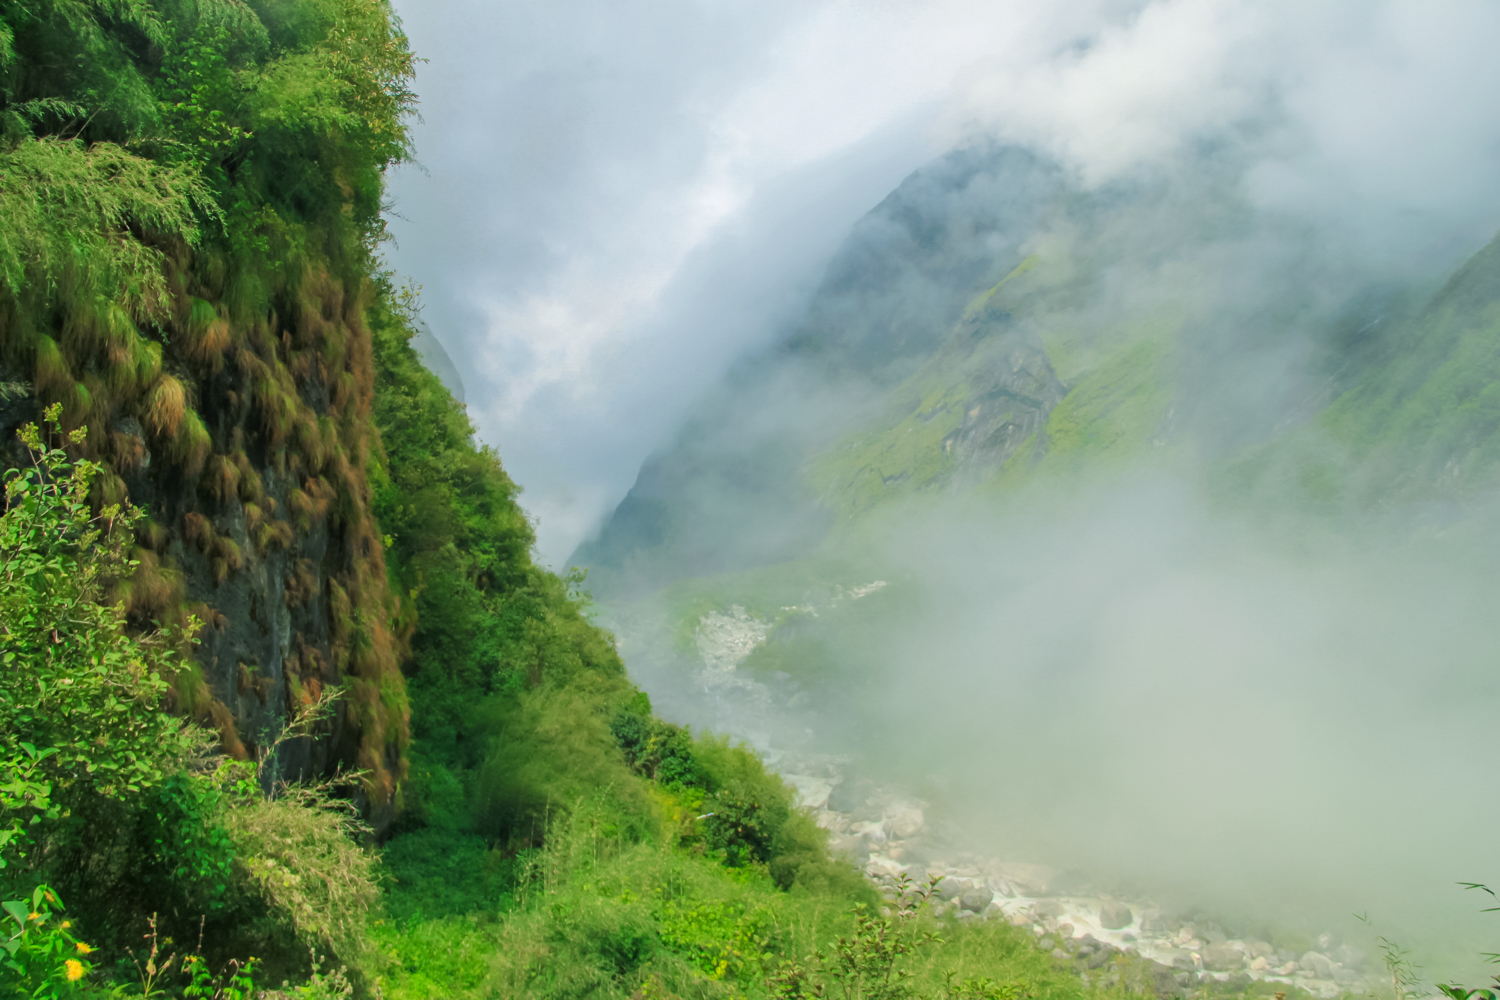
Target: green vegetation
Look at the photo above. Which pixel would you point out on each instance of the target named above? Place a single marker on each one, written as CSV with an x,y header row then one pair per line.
x,y
189,208
1420,424
442,782
190,251
116,805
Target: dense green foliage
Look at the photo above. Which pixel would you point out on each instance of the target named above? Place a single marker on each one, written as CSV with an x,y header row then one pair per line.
x,y
190,195
74,681
190,199
113,800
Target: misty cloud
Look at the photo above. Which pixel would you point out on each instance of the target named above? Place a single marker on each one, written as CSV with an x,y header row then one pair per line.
x,y
618,200
621,203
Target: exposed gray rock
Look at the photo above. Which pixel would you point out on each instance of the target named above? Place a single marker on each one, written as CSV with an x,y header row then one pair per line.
x,y
1002,886
1113,915
1048,908
812,793
904,822
1317,963
1046,944
975,899
1059,953
1261,949
848,844
1223,957
1345,976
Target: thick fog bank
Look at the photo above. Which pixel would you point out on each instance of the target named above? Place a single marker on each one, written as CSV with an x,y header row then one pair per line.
x,y
1280,726
1200,704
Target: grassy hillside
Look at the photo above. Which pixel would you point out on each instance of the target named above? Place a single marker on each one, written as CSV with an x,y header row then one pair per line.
x,y
261,589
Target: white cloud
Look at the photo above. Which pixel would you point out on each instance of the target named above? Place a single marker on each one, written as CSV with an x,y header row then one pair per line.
x,y
588,162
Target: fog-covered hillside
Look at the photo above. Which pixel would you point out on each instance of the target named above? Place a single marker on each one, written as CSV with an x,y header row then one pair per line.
x,y
1140,530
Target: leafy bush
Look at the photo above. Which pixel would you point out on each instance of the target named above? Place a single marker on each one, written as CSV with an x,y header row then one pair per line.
x,y
655,749
548,750
189,850
84,691
298,850
39,953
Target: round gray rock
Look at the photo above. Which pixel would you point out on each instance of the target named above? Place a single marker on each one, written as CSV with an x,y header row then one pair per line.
x,y
975,899
1114,915
1223,958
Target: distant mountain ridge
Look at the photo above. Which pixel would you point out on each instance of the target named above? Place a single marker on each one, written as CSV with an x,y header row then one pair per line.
x,y
990,322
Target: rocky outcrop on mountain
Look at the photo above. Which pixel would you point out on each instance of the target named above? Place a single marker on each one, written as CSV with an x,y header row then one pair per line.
x,y
730,492
1012,399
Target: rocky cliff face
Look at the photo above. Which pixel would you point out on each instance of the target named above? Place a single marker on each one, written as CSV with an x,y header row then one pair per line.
x,y
246,436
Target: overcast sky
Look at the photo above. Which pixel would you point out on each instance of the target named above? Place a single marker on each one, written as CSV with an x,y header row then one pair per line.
x,y
617,198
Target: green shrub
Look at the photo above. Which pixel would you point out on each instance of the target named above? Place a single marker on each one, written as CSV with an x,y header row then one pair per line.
x,y
548,750
655,749
84,692
190,851
40,958
299,851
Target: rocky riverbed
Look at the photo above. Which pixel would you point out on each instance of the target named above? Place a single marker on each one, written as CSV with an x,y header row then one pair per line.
x,y
889,836
889,833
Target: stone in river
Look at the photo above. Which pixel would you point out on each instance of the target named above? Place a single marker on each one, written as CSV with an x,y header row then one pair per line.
x,y
1113,915
1317,963
903,823
975,900
1223,958
848,845
1001,886
1048,908
812,793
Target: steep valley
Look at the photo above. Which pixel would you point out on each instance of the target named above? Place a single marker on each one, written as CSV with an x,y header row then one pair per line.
x,y
1158,554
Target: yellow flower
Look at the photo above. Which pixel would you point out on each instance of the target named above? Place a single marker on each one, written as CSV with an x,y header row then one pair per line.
x,y
75,969
83,949
33,915
66,924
